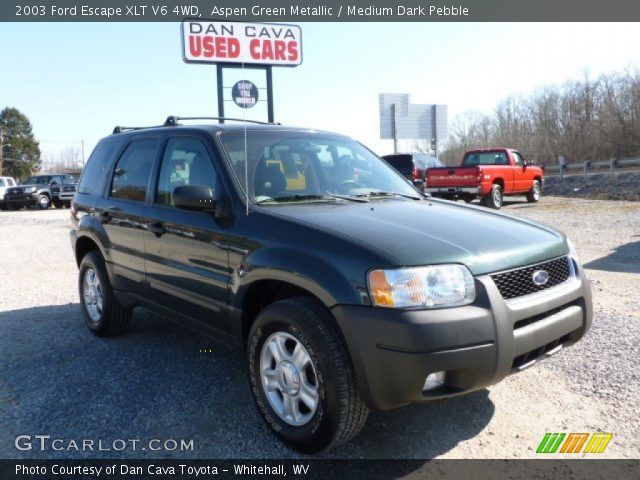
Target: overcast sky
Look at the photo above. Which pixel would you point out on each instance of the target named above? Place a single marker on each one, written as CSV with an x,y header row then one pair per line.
x,y
77,81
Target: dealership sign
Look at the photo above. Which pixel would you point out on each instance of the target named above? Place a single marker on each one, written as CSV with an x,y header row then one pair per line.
x,y
208,41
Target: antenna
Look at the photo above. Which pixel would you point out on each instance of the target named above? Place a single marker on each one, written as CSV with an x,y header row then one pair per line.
x,y
246,160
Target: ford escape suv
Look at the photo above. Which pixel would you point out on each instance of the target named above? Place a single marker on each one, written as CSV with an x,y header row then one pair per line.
x,y
348,293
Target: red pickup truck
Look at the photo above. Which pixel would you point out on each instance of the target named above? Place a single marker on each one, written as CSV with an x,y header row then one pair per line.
x,y
489,174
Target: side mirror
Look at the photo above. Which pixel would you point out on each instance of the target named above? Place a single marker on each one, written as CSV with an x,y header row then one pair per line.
x,y
193,197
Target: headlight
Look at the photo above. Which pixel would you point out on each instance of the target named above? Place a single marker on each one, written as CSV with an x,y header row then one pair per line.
x,y
29,189
572,250
434,286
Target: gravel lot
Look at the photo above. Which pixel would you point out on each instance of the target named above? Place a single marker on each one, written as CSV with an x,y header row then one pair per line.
x,y
157,382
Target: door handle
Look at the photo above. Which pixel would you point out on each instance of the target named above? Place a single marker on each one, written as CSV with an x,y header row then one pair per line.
x,y
156,228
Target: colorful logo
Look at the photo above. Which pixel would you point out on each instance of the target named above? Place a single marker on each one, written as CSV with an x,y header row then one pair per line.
x,y
573,442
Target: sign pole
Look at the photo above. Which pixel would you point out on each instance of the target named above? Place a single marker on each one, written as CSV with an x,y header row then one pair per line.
x,y
270,116
393,126
220,92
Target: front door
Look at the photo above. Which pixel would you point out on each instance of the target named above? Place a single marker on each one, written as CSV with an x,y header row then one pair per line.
x,y
187,263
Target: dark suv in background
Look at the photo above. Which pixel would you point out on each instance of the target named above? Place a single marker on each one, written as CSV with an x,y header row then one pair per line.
x,y
413,166
348,292
41,191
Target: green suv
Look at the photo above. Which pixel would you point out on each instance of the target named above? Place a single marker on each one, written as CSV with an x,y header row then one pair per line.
x,y
349,288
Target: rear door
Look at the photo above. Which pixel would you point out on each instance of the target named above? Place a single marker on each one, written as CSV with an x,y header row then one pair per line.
x,y
121,209
187,263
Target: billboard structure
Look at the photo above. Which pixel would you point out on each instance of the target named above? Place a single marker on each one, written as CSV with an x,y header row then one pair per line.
x,y
251,46
400,119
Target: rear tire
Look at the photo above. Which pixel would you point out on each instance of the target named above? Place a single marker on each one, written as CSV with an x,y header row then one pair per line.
x,y
102,312
325,403
495,197
535,192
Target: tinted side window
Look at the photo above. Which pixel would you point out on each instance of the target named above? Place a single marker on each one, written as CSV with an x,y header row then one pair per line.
x,y
93,173
1,182
186,161
518,158
132,172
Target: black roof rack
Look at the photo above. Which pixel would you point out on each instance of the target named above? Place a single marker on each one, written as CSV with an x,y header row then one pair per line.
x,y
173,120
120,128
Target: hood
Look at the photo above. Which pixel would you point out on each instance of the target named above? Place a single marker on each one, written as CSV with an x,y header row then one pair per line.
x,y
27,185
433,231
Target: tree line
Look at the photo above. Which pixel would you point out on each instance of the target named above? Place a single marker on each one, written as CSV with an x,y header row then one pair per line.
x,y
586,119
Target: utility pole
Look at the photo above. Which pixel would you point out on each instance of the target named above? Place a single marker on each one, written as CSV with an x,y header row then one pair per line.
x,y
83,161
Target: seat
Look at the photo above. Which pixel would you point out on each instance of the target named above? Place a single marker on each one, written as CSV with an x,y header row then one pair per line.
x,y
269,180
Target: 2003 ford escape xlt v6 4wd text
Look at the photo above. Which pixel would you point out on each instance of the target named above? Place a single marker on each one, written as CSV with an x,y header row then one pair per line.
x,y
351,292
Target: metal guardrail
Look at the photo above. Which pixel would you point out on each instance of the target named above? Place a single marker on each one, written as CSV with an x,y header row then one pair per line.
x,y
590,168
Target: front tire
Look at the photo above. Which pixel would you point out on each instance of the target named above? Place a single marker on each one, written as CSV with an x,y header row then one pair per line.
x,y
57,203
535,192
102,312
301,376
43,202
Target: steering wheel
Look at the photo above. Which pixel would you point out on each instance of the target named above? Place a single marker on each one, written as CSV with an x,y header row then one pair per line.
x,y
347,185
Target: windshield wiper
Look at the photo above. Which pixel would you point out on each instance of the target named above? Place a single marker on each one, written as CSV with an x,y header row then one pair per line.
x,y
380,193
291,198
352,198
315,196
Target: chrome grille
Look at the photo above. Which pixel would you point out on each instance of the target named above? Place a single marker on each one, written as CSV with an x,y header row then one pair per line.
x,y
519,282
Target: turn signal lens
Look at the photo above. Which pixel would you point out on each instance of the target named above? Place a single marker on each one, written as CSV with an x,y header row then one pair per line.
x,y
380,289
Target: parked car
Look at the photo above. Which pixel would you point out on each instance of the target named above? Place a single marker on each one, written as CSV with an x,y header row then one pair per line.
x,y
348,295
63,190
489,174
5,182
413,166
40,191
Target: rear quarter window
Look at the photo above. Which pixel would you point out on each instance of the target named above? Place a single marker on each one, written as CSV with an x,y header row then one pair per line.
x,y
94,172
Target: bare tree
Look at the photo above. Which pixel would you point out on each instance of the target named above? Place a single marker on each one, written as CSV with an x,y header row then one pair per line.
x,y
585,119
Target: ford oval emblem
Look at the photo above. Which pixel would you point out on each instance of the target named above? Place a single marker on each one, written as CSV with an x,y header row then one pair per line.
x,y
540,277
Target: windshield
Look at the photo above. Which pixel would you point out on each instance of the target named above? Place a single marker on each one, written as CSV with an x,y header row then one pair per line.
x,y
286,165
38,180
485,158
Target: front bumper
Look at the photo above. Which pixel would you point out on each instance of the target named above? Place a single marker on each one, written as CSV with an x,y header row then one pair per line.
x,y
477,345
22,199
